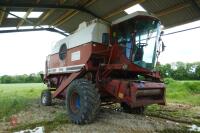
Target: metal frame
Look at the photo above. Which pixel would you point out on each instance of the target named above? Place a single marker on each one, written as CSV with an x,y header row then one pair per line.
x,y
37,29
48,6
68,15
74,10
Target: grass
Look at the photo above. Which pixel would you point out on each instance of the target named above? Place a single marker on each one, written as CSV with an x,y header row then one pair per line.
x,y
180,115
183,92
15,97
48,125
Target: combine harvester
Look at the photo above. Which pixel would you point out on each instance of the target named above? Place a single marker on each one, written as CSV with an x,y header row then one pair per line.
x,y
103,63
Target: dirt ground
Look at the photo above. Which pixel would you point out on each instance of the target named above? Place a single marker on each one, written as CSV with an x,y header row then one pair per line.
x,y
109,120
118,122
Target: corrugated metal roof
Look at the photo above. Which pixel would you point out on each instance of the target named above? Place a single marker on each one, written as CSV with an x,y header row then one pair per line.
x,y
171,12
73,23
184,11
103,7
180,17
158,5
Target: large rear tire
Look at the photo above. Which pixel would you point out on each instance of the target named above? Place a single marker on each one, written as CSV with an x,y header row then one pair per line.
x,y
82,101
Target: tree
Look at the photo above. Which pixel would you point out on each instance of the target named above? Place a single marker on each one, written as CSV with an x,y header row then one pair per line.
x,y
6,79
165,70
32,78
180,71
197,71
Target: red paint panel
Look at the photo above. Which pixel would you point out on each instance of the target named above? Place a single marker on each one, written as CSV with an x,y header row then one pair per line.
x,y
126,91
85,53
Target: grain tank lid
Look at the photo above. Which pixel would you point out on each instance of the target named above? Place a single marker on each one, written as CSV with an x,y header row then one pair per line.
x,y
135,14
56,47
85,24
86,32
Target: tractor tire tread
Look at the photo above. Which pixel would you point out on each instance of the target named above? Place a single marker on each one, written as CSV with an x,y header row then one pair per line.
x,y
90,99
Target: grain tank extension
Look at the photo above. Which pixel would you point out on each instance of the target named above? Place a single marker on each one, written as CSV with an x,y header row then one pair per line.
x,y
103,63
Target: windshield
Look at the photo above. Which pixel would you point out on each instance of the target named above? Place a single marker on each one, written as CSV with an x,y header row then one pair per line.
x,y
139,41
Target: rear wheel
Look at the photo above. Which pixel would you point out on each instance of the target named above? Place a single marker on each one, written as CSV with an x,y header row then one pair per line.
x,y
46,98
136,110
82,101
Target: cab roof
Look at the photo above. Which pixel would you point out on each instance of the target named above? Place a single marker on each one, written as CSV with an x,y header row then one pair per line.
x,y
135,14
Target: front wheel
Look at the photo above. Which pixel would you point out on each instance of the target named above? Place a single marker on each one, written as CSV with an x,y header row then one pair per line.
x,y
82,101
46,98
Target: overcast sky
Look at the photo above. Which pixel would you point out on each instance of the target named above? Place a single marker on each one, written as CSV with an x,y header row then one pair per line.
x,y
25,53
182,46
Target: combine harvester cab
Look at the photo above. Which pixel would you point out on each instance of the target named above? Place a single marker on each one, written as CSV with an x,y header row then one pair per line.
x,y
103,63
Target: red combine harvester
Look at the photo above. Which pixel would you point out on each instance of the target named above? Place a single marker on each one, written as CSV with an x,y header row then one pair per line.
x,y
103,63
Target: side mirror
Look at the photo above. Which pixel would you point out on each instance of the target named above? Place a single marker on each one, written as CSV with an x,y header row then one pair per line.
x,y
160,40
163,46
161,33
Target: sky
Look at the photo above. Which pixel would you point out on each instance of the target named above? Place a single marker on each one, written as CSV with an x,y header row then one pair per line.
x,y
182,46
25,52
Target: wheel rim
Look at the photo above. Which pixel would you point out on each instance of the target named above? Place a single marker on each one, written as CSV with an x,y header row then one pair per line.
x,y
44,99
75,102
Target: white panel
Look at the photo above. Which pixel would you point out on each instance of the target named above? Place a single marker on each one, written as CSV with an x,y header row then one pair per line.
x,y
91,33
75,56
68,69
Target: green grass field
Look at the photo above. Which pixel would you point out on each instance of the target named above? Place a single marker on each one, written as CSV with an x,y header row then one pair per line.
x,y
187,95
183,92
15,97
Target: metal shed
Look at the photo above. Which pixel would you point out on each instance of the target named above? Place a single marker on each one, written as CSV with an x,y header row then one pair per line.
x,y
68,14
